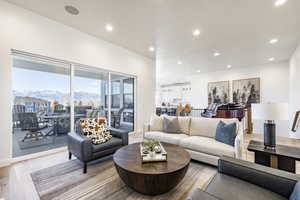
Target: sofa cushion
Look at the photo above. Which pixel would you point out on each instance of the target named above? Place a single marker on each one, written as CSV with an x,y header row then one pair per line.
x,y
171,125
156,123
184,123
165,137
226,133
207,126
278,181
113,142
230,188
207,145
296,193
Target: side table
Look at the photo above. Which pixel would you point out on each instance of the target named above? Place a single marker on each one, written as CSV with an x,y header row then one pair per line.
x,y
283,157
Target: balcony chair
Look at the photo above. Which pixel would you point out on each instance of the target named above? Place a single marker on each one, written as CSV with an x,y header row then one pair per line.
x,y
116,118
29,122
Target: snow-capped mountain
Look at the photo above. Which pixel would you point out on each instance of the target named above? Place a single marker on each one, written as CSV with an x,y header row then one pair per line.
x,y
52,95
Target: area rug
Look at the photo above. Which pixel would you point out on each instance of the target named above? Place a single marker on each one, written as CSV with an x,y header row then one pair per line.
x,y
66,181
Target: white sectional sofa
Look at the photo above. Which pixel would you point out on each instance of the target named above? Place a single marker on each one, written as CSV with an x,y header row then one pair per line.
x,y
197,136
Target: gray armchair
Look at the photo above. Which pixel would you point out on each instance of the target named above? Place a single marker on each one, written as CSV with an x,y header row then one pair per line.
x,y
242,180
85,151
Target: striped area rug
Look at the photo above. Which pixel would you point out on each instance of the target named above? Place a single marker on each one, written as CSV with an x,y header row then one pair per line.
x,y
67,182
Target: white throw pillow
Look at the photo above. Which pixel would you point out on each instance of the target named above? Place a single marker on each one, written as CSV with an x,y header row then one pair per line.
x,y
184,123
156,123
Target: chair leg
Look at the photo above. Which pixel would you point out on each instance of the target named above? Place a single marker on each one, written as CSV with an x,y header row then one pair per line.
x,y
84,168
70,155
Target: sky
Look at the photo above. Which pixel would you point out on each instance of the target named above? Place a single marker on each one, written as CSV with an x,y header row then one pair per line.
x,y
30,80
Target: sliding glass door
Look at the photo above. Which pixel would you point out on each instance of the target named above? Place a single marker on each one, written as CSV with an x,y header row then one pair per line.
x,y
41,98
50,96
122,102
89,92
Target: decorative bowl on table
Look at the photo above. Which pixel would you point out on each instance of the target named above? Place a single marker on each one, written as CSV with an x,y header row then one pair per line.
x,y
152,151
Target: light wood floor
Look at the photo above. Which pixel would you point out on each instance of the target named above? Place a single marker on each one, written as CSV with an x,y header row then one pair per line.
x,y
16,183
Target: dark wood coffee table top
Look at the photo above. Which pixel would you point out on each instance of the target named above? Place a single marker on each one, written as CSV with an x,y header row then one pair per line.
x,y
281,150
129,158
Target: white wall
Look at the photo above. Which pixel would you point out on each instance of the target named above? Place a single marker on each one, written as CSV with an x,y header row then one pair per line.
x,y
23,30
295,87
274,82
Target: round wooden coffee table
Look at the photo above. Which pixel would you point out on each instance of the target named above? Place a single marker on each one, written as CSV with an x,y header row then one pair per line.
x,y
151,178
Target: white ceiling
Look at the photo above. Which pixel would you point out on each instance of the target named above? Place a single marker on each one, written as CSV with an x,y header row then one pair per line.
x,y
238,29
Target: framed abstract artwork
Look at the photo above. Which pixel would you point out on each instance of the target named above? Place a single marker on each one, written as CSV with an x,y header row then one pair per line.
x,y
218,92
246,91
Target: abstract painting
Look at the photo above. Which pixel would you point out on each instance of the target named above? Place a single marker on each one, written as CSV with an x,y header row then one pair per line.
x,y
246,91
218,92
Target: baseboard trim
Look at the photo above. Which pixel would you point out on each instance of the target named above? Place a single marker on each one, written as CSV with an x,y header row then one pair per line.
x,y
37,155
5,163
9,162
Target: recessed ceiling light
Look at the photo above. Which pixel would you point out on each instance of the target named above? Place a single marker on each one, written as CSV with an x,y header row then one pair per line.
x,y
151,49
273,41
229,66
196,32
179,62
109,27
280,2
271,59
198,71
71,10
216,54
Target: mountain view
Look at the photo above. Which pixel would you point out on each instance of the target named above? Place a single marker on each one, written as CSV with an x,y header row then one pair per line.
x,y
52,95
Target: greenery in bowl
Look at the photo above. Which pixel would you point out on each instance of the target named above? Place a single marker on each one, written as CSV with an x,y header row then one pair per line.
x,y
150,145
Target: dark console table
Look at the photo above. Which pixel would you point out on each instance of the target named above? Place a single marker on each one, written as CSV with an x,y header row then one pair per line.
x,y
283,157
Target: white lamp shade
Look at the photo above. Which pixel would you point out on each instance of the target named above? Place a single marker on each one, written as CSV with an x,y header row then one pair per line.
x,y
270,111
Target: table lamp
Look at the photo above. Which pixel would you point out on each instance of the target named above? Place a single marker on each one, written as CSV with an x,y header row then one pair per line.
x,y
270,112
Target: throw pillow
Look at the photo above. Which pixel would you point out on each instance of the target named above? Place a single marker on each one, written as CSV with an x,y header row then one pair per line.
x,y
96,129
184,123
296,192
226,133
156,123
171,125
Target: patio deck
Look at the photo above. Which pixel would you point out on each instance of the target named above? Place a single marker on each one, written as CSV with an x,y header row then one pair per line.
x,y
29,147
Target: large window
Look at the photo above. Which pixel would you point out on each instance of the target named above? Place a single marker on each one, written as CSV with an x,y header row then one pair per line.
x,y
50,96
41,98
89,92
128,93
122,99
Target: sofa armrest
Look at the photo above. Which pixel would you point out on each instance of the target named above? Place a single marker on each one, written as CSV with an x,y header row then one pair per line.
x,y
277,181
146,128
239,142
120,134
80,146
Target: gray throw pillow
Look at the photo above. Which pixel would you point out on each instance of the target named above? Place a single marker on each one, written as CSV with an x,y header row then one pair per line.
x,y
296,193
171,125
226,133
